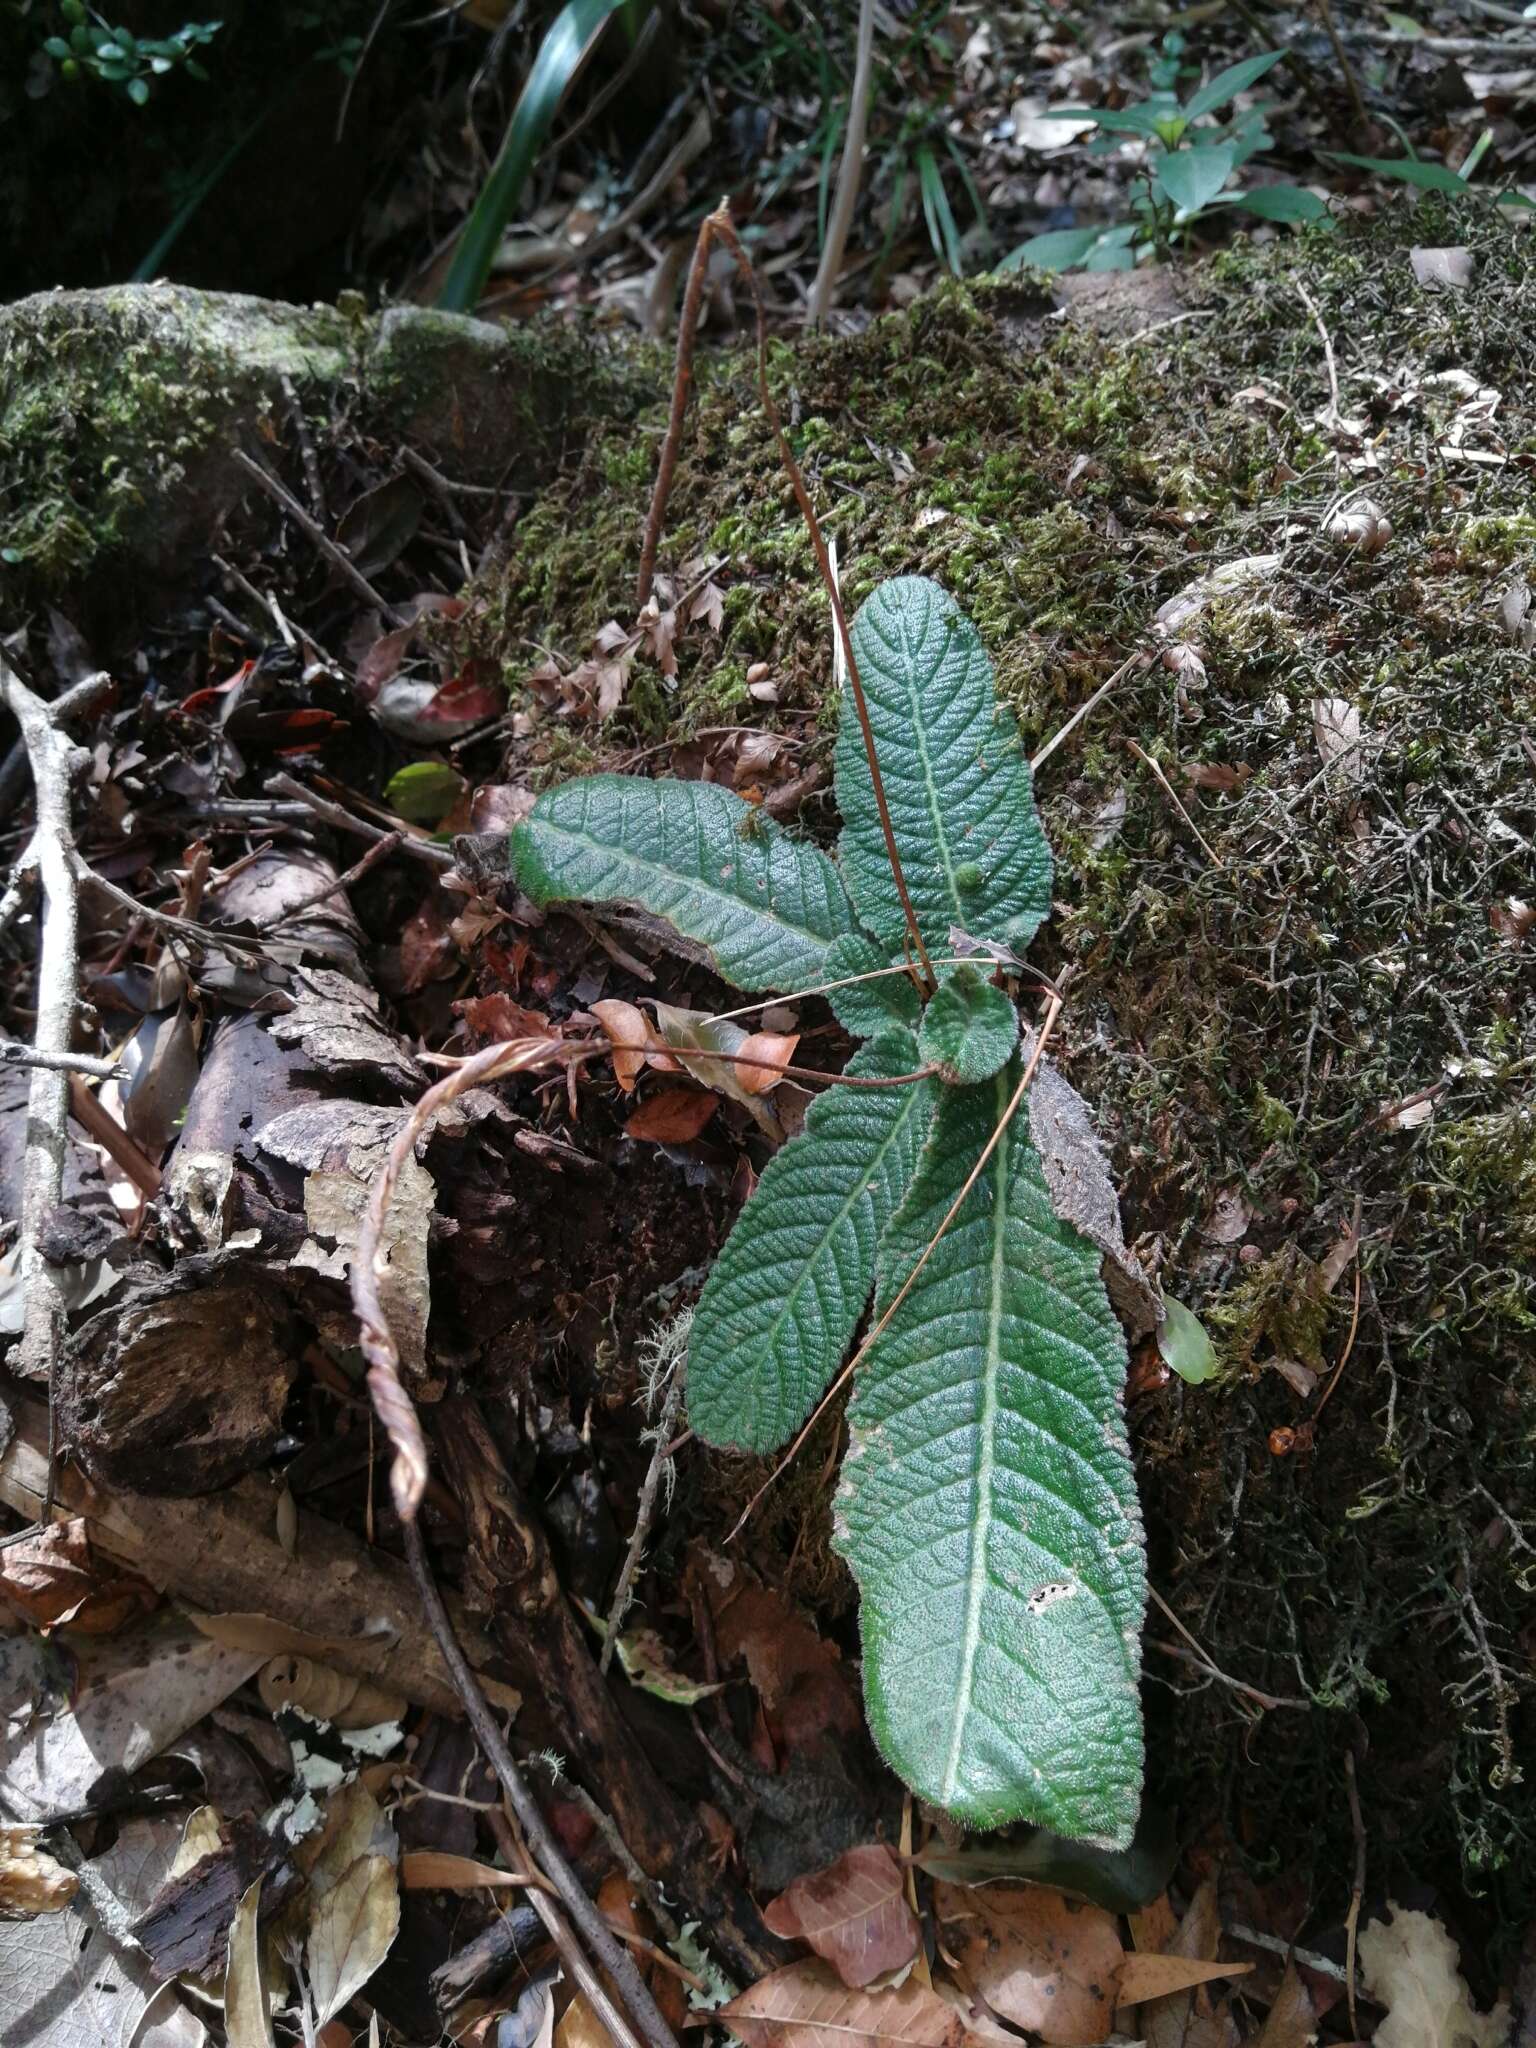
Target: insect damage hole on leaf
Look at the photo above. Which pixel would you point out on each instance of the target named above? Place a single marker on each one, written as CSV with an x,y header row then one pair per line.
x,y
987,1506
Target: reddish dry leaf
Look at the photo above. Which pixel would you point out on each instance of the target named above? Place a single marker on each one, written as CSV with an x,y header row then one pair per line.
x,y
708,604
776,1048
629,1033
672,1117
497,1016
854,1914
1218,775
427,949
498,806
1047,1963
1188,2019
52,1578
807,2006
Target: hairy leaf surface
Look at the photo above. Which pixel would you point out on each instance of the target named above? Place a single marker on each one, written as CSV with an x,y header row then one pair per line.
x,y
955,775
969,1028
782,1301
763,906
988,1506
865,1007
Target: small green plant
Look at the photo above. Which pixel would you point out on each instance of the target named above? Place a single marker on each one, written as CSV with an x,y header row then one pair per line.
x,y
118,57
1431,177
987,1504
1189,160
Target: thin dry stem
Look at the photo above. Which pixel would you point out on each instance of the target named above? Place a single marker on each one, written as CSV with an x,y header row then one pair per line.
x,y
392,1404
687,333
849,171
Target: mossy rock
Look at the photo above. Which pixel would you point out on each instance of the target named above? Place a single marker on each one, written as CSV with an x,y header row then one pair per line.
x,y
119,409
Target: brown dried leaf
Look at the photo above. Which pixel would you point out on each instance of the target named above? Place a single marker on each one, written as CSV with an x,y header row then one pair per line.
x,y
51,1578
1223,776
854,1914
1187,2019
775,1047
673,1117
1153,1976
806,2005
629,1033
350,1933
247,2014
708,604
1513,920
1045,1962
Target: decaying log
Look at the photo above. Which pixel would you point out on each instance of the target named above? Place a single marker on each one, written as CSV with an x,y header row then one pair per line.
x,y
479,1967
510,1575
332,1598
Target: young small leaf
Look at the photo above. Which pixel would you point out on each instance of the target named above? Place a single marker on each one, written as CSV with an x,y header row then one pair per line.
x,y
956,779
1226,85
1191,178
969,1028
988,1507
785,1295
763,906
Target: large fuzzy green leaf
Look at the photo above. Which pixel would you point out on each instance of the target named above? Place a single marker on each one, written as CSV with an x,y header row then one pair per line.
x,y
775,1318
763,906
955,775
988,1506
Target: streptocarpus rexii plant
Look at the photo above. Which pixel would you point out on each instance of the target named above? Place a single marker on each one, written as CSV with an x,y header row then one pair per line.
x,y
987,1504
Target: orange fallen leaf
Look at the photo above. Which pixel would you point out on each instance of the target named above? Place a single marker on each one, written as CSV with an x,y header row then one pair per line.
x,y
775,1047
672,1117
629,1033
423,1870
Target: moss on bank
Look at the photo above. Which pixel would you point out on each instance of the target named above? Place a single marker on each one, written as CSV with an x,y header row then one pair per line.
x,y
1259,1020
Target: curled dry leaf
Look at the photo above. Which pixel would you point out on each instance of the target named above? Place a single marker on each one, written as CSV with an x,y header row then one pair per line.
x,y
339,1697
673,1117
1361,525
854,1914
1513,920
1047,1964
807,2005
629,1033
776,1048
1409,1963
1337,728
30,1881
424,1870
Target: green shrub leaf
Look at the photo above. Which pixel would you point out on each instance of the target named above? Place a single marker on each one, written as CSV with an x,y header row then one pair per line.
x,y
1226,85
969,1028
1283,202
865,1007
1192,177
1430,177
786,1293
763,907
955,775
988,1507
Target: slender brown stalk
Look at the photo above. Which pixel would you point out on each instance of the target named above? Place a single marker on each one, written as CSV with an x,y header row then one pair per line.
x,y
727,233
1048,1024
392,1403
687,333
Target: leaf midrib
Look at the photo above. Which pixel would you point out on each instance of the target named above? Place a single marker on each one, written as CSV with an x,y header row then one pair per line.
x,y
930,787
981,1520
709,889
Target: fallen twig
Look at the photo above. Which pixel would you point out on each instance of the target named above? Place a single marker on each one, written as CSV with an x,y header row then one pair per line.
x,y
343,820
643,1513
14,1054
109,1134
380,850
50,852
332,550
552,1864
682,378
1172,794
